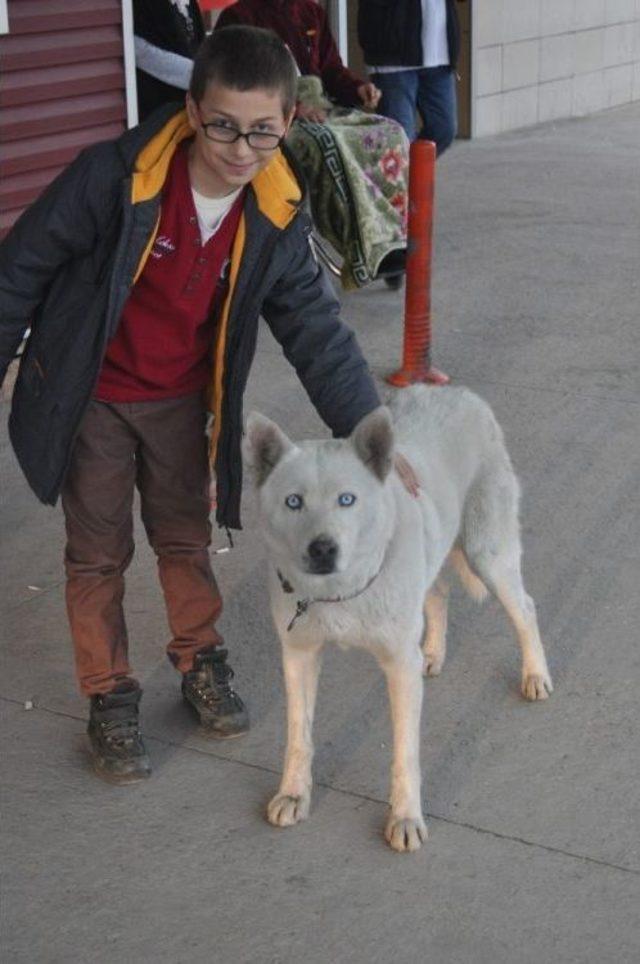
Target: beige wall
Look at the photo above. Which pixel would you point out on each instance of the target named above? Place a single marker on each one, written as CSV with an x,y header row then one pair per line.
x,y
539,60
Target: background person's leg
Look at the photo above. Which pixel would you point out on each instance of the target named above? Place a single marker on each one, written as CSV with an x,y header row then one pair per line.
x,y
437,106
399,98
97,499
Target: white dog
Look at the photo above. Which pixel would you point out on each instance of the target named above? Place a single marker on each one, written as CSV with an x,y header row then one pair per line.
x,y
356,560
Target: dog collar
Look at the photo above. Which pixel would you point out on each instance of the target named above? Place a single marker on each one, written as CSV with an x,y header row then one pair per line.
x,y
302,605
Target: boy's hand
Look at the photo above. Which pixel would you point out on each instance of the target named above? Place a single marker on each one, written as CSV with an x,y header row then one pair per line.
x,y
407,475
369,95
314,114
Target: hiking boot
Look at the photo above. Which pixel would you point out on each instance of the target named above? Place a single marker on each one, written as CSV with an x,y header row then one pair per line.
x,y
206,688
118,752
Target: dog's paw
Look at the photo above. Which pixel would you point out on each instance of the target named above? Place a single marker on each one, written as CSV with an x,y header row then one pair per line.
x,y
285,811
405,834
432,663
536,686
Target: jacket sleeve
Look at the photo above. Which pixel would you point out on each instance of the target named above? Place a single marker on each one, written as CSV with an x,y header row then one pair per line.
x,y
304,316
164,65
59,226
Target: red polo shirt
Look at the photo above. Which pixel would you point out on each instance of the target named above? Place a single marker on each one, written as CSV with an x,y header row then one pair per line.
x,y
163,345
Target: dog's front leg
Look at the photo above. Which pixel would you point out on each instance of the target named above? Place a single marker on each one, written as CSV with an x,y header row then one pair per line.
x,y
301,671
406,829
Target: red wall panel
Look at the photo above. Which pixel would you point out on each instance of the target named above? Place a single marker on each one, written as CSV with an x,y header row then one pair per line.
x,y
62,88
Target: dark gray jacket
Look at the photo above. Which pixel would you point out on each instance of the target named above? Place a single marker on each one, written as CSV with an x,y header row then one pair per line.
x,y
69,263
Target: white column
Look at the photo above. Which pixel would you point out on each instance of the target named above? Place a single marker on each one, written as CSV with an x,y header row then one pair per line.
x,y
337,13
129,63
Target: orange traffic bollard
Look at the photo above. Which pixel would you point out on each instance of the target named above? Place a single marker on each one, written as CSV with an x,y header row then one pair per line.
x,y
416,353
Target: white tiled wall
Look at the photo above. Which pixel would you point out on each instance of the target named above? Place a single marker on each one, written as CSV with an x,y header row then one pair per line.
x,y
540,60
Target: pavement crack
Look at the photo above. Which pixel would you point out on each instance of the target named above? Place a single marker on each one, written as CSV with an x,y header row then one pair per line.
x,y
38,594
558,851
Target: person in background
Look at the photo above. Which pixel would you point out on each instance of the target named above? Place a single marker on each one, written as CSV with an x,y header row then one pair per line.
x,y
167,34
356,164
411,49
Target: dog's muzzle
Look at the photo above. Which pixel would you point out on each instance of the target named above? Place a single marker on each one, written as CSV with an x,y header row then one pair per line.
x,y
322,555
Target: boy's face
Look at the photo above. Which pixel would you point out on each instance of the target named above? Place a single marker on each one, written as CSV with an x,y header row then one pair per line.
x,y
218,168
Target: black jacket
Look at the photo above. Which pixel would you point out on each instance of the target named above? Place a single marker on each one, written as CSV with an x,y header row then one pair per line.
x,y
389,32
68,265
161,23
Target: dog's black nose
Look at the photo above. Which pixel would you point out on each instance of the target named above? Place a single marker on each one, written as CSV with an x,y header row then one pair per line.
x,y
322,555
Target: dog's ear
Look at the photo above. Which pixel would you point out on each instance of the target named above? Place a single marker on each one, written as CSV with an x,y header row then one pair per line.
x,y
263,446
372,439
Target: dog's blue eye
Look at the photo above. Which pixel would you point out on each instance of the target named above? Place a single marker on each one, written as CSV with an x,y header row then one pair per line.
x,y
346,499
293,501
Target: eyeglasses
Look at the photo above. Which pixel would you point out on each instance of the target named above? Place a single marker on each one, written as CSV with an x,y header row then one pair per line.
x,y
258,140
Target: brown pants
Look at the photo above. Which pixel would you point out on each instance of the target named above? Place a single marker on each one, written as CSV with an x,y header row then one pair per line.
x,y
160,448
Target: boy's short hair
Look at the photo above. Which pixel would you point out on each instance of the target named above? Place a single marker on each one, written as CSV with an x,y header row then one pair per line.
x,y
245,58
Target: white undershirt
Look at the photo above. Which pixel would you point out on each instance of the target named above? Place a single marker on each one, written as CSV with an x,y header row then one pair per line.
x,y
435,47
212,211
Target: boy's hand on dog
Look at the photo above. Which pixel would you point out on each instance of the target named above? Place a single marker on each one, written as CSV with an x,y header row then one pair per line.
x,y
407,475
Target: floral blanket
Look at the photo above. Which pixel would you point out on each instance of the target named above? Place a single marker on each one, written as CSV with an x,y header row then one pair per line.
x,y
356,166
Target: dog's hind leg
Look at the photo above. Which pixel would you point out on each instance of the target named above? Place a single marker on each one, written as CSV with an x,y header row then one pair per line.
x,y
490,539
469,579
501,573
301,672
434,647
406,829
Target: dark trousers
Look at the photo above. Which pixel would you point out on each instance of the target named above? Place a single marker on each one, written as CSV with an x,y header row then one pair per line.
x,y
428,91
159,448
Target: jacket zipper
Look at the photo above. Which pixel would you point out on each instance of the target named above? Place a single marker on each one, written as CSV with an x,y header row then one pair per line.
x,y
234,376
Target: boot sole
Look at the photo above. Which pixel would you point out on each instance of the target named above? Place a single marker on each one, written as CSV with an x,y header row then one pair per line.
x,y
119,779
208,730
212,734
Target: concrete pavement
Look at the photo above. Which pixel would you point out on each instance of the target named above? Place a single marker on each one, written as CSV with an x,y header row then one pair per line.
x,y
533,809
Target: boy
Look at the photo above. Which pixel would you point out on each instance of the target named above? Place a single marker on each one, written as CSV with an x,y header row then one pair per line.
x,y
137,329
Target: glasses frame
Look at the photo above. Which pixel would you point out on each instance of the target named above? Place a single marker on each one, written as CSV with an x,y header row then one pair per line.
x,y
238,134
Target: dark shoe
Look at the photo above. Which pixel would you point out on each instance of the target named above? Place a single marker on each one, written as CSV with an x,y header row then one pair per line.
x,y
393,264
394,281
118,752
206,688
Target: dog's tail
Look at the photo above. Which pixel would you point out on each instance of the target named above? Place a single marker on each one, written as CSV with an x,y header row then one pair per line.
x,y
472,583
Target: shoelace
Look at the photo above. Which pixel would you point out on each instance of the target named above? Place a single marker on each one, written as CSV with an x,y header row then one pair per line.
x,y
212,691
122,732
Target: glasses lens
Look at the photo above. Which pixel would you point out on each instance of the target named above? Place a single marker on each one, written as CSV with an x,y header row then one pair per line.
x,y
258,140
263,141
220,133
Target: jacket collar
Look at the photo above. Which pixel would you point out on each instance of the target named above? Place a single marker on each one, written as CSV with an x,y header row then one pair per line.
x,y
276,187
